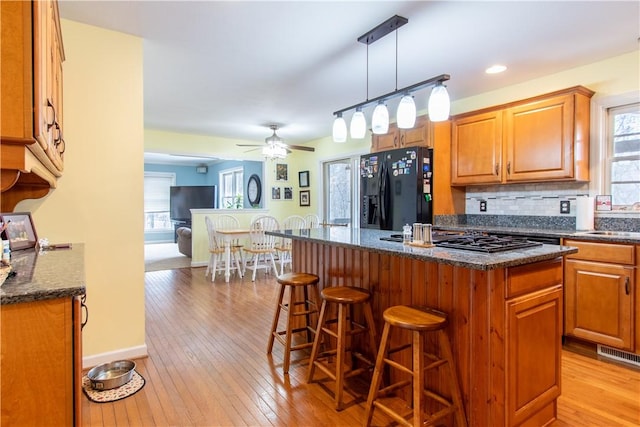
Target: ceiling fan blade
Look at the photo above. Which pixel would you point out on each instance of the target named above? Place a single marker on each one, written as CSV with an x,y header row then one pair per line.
x,y
249,145
301,147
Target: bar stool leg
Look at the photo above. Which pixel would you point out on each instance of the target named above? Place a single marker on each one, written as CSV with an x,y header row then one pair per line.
x,y
418,377
377,374
456,396
276,317
316,342
342,332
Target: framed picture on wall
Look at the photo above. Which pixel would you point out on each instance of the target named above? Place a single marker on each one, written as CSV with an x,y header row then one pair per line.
x,y
288,193
305,198
275,193
19,230
303,178
282,172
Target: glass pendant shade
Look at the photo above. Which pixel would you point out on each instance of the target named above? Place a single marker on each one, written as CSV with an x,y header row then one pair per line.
x,y
439,104
358,126
380,120
406,115
339,129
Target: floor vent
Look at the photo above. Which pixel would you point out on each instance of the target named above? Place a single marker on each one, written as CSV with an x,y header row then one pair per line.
x,y
622,356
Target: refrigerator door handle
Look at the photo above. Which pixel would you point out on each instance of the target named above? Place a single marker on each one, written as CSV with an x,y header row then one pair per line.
x,y
382,197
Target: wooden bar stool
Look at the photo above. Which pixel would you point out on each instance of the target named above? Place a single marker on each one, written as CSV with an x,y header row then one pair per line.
x,y
300,285
345,297
418,320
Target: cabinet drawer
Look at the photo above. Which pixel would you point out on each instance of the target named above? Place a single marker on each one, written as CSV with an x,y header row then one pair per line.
x,y
531,277
614,253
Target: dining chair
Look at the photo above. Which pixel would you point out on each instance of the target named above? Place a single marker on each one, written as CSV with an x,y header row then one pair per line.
x,y
283,246
261,248
230,222
312,220
216,253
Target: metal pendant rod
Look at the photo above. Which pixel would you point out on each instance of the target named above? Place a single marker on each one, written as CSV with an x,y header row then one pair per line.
x,y
414,87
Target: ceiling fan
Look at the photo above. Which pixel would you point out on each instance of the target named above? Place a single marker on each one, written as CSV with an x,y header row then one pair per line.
x,y
275,146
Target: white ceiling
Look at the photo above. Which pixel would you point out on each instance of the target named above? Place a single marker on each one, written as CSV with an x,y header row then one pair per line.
x,y
230,68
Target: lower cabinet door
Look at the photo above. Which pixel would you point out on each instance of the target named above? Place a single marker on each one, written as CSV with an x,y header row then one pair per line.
x,y
533,355
598,303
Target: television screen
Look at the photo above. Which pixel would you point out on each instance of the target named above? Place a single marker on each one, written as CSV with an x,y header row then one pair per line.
x,y
183,198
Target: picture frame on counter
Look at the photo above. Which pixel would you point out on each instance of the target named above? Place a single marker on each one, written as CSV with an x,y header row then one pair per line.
x,y
305,198
20,230
303,179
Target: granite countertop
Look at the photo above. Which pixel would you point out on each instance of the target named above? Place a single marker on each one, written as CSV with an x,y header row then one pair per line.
x,y
43,275
369,239
598,235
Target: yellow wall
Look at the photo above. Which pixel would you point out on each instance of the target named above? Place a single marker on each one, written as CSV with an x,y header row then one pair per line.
x,y
99,199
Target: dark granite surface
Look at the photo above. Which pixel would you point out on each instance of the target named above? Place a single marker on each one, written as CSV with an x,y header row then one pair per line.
x,y
370,240
598,235
45,275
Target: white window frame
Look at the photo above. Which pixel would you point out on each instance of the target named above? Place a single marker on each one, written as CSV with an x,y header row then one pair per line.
x,y
233,172
355,192
600,168
172,178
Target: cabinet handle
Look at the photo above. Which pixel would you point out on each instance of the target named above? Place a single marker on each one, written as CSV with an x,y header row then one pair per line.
x,y
402,139
626,286
53,110
497,168
84,307
509,167
395,141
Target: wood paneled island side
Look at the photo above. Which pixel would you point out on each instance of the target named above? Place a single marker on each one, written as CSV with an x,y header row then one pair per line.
x,y
505,311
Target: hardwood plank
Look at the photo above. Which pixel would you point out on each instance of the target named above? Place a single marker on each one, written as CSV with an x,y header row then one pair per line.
x,y
208,366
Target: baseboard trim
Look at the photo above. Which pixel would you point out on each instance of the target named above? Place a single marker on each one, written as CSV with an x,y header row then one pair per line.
x,y
199,264
122,354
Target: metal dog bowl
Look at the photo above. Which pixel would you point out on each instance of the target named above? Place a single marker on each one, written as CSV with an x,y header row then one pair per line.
x,y
111,375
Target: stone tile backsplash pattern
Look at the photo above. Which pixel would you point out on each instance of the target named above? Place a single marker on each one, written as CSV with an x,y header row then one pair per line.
x,y
534,206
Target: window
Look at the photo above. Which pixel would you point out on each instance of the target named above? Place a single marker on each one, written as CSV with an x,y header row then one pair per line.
x,y
231,191
623,155
156,201
339,191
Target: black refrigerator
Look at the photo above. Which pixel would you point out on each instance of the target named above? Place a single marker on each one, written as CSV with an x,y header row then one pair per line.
x,y
395,188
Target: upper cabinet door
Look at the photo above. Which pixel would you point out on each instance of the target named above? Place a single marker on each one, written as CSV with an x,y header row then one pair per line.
x,y
539,140
476,149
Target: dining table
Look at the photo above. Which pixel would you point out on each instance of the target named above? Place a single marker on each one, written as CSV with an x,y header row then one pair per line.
x,y
228,236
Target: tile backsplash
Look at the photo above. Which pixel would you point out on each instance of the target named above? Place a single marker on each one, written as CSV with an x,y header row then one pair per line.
x,y
534,206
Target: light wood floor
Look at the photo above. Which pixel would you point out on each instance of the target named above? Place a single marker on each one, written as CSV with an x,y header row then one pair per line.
x,y
207,367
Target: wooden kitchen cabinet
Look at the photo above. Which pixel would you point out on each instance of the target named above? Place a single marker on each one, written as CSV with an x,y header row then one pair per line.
x,y
418,136
600,293
545,138
41,371
476,149
32,149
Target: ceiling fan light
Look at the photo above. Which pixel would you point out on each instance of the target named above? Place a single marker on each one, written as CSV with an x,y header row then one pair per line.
x,y
406,115
439,103
339,129
358,126
380,119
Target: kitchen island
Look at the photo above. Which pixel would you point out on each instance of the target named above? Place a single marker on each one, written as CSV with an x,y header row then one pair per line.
x,y
41,345
505,311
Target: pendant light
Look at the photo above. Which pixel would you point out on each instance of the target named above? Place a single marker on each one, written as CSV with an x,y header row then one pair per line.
x,y
339,129
358,126
406,114
439,104
380,119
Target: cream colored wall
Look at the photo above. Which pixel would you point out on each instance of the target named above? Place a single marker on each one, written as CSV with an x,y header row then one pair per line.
x,y
612,76
99,199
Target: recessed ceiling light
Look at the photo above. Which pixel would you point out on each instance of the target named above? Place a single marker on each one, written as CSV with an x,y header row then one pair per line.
x,y
495,69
